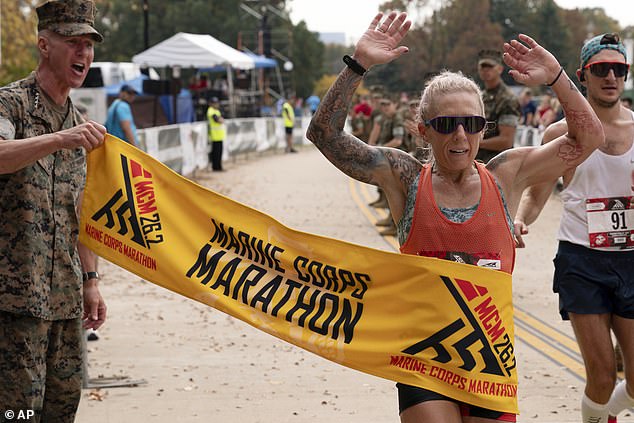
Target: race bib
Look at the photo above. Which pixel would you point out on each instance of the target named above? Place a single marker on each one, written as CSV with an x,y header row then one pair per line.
x,y
488,260
611,222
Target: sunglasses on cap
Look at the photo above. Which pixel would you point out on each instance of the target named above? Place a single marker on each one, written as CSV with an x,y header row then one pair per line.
x,y
602,69
448,124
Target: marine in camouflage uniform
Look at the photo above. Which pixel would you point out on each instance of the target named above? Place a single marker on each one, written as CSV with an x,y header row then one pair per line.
x,y
391,121
391,135
41,263
501,107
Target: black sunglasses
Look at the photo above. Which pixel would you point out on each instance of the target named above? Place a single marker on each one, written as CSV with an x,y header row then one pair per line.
x,y
602,69
448,124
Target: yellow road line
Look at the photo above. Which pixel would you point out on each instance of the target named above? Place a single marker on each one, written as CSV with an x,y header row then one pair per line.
x,y
356,198
358,189
547,331
549,351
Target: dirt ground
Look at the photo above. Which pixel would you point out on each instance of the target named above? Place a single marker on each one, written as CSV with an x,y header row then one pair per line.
x,y
201,365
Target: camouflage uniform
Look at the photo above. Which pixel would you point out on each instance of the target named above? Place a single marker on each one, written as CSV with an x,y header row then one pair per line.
x,y
502,107
391,127
40,270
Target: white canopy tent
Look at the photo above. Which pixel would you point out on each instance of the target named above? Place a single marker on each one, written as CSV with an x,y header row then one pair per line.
x,y
198,51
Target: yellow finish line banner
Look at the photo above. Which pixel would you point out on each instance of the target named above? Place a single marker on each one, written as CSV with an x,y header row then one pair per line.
x,y
422,321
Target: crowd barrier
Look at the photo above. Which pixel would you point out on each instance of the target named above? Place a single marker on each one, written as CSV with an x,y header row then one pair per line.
x,y
527,136
184,147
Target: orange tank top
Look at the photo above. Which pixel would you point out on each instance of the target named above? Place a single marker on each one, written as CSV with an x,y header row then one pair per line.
x,y
484,240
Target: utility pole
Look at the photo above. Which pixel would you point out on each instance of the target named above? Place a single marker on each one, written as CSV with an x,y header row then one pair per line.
x,y
146,31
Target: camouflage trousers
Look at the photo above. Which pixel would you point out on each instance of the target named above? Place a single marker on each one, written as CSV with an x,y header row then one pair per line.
x,y
40,369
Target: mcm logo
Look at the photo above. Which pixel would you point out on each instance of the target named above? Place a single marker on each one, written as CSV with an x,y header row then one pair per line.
x,y
133,208
497,357
618,205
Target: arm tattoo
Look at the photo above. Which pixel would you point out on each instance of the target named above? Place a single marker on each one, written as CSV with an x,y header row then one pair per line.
x,y
581,120
497,160
407,167
349,154
569,151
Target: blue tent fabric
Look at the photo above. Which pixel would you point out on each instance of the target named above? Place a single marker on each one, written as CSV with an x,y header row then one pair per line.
x,y
136,83
185,107
260,62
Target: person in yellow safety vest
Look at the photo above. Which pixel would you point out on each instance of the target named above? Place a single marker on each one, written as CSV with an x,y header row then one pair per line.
x,y
216,134
289,121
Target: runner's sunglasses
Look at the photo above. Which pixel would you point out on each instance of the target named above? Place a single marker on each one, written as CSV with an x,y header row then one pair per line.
x,y
448,124
602,69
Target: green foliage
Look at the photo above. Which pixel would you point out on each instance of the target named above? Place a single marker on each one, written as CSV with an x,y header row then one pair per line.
x,y
121,23
19,52
308,53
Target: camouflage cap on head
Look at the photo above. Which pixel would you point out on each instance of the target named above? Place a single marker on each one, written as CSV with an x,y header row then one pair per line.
x,y
68,18
490,57
600,42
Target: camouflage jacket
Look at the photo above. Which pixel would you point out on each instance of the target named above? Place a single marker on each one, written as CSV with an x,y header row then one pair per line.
x,y
391,127
502,107
40,271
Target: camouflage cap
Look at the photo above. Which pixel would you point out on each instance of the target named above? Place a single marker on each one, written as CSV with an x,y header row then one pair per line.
x,y
490,57
68,18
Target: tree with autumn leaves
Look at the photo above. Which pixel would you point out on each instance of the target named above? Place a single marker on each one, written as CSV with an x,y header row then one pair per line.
x,y
448,38
18,37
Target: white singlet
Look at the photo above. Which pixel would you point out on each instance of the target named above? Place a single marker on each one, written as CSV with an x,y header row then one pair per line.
x,y
599,203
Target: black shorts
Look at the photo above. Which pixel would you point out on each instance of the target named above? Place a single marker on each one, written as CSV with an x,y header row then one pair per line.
x,y
409,396
594,282
289,130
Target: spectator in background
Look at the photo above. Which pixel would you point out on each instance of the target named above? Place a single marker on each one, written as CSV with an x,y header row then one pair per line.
x,y
313,103
543,111
363,107
550,114
216,134
361,119
120,122
375,131
528,107
392,134
288,114
500,104
627,102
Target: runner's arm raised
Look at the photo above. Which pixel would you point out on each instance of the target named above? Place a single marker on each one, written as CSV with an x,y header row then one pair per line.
x,y
379,44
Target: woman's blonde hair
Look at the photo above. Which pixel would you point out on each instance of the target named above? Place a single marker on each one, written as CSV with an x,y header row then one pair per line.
x,y
442,84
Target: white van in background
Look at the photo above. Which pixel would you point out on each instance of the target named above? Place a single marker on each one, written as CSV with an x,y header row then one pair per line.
x,y
117,72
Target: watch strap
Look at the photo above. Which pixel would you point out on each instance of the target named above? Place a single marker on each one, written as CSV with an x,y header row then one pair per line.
x,y
354,65
90,275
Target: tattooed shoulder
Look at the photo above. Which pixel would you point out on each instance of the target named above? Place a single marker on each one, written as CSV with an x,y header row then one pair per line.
x,y
496,161
404,164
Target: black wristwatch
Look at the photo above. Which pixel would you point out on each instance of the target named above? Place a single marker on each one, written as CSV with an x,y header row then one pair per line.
x,y
90,275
